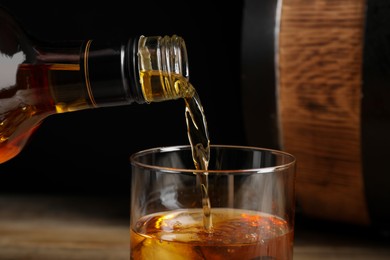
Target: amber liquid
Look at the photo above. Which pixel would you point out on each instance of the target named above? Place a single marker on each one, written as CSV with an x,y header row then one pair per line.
x,y
45,89
30,100
200,146
237,234
159,86
209,233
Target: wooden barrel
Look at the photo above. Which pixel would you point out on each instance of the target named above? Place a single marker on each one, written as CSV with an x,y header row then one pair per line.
x,y
330,103
320,63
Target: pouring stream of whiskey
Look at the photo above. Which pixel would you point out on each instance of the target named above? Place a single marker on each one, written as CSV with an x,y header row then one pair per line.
x,y
200,144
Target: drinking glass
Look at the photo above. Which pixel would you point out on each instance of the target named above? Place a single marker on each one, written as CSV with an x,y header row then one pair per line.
x,y
241,207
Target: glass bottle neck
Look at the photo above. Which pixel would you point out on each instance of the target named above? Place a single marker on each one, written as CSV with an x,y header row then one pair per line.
x,y
111,72
144,69
96,73
108,70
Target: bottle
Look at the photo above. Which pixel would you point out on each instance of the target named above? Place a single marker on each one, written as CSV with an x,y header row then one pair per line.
x,y
40,79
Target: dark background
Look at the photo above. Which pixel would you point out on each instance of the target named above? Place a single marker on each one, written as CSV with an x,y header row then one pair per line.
x,y
87,152
231,58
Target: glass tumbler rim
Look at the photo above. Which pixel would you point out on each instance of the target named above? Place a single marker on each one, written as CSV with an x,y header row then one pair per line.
x,y
134,160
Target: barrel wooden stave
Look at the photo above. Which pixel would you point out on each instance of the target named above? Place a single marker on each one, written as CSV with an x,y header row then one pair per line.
x,y
320,46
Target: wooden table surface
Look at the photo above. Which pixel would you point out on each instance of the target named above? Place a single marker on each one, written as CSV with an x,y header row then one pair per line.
x,y
36,227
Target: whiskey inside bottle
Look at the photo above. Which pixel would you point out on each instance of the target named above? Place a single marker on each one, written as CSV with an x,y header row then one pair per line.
x,y
41,90
36,95
38,90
